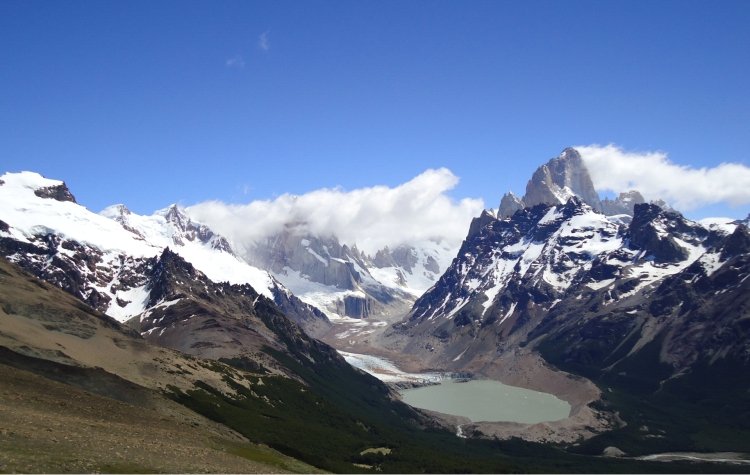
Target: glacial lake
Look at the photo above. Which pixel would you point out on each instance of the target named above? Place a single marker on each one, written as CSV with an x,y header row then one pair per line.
x,y
489,401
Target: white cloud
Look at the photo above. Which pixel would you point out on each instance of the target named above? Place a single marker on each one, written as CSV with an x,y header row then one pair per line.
x,y
264,43
656,177
371,217
235,62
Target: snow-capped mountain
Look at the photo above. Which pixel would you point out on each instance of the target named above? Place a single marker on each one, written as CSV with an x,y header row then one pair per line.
x,y
104,258
344,281
560,179
605,285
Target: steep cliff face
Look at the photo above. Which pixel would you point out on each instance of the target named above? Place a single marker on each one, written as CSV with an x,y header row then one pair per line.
x,y
509,204
559,179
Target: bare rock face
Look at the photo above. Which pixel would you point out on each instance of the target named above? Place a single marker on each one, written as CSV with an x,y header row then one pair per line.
x,y
478,223
656,231
322,260
57,192
509,204
564,177
559,179
354,307
623,204
403,256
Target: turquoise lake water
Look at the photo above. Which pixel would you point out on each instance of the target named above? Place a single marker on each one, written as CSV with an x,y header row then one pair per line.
x,y
489,401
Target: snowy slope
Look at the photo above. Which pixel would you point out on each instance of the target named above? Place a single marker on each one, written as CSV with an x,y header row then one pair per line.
x,y
560,249
426,262
171,227
107,251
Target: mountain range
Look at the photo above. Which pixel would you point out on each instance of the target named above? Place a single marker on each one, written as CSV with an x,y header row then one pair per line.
x,y
635,315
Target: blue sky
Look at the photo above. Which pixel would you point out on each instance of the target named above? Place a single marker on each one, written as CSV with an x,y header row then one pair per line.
x,y
150,103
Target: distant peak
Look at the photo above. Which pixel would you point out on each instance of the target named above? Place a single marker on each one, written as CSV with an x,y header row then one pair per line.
x,y
115,211
172,212
570,154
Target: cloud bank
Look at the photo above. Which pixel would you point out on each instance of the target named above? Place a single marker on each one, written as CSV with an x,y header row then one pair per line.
x,y
371,218
656,177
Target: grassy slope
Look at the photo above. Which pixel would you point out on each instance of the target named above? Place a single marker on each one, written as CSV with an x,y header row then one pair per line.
x,y
705,410
48,426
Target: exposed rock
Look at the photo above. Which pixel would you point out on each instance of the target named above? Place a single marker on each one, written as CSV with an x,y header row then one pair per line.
x,y
354,307
654,230
478,223
559,179
613,452
57,192
192,231
509,204
320,260
737,243
623,204
404,257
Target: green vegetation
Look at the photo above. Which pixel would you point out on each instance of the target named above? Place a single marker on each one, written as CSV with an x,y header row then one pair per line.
x,y
268,456
705,410
334,419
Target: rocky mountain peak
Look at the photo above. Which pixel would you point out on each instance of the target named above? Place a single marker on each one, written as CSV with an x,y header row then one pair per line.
x,y
736,243
509,204
656,231
176,216
118,212
171,277
42,187
555,182
191,231
560,178
623,204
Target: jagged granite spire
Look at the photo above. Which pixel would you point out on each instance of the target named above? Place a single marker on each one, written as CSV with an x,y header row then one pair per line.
x,y
559,179
509,204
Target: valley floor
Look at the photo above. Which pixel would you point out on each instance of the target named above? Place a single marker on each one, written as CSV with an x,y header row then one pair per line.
x,y
361,341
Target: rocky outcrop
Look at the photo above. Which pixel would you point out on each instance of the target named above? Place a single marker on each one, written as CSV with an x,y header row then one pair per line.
x,y
354,306
509,204
404,257
478,223
623,204
656,231
56,192
191,231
